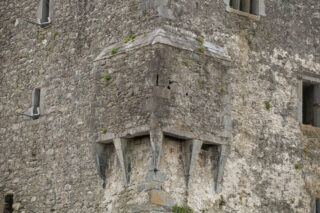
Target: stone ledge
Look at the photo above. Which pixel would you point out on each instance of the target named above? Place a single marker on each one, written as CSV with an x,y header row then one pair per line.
x,y
172,131
181,40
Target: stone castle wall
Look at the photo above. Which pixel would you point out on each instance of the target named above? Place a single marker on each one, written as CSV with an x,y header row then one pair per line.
x,y
49,164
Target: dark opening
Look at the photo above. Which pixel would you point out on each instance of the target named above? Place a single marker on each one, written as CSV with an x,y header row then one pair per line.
x,y
45,11
8,199
307,105
36,103
248,6
317,205
157,81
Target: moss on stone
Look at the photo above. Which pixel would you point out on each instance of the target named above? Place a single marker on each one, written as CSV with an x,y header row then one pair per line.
x,y
54,35
104,131
181,209
201,39
107,77
268,106
223,90
200,81
114,51
202,49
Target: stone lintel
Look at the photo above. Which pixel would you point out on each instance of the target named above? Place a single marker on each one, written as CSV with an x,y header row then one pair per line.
x,y
130,133
171,37
186,135
171,131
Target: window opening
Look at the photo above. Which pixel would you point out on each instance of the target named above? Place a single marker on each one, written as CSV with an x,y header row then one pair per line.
x,y
36,104
45,11
317,205
311,103
8,199
157,81
247,6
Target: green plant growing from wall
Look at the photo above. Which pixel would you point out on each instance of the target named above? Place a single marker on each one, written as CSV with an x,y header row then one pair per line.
x,y
202,49
114,51
107,78
306,150
133,37
201,39
181,209
127,40
40,37
200,81
54,35
223,90
104,131
297,166
145,34
187,63
268,37
268,106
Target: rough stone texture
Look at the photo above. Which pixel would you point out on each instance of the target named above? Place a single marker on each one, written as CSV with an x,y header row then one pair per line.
x,y
50,164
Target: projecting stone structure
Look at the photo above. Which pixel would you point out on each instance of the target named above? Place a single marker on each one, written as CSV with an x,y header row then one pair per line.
x,y
141,105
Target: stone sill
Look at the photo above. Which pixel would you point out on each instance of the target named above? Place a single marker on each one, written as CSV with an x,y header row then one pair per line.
x,y
310,131
241,13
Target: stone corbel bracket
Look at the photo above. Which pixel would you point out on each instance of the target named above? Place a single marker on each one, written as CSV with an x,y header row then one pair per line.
x,y
178,39
192,149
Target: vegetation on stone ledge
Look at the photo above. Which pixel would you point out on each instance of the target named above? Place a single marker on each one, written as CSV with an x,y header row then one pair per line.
x,y
268,106
297,166
114,51
104,131
181,209
223,90
201,40
202,49
54,35
107,77
132,37
200,81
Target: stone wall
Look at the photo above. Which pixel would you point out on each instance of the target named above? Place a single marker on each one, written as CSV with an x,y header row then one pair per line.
x,y
49,164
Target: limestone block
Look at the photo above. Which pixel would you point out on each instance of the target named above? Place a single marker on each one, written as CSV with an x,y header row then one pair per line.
x,y
162,198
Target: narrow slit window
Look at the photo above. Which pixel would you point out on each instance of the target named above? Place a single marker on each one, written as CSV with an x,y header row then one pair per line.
x,y
8,199
311,103
317,205
45,11
36,103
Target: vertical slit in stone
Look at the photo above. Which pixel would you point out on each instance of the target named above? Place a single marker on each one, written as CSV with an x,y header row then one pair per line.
x,y
8,199
45,11
157,81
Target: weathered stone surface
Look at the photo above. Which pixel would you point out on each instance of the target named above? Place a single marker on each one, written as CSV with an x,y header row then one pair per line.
x,y
161,198
49,165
